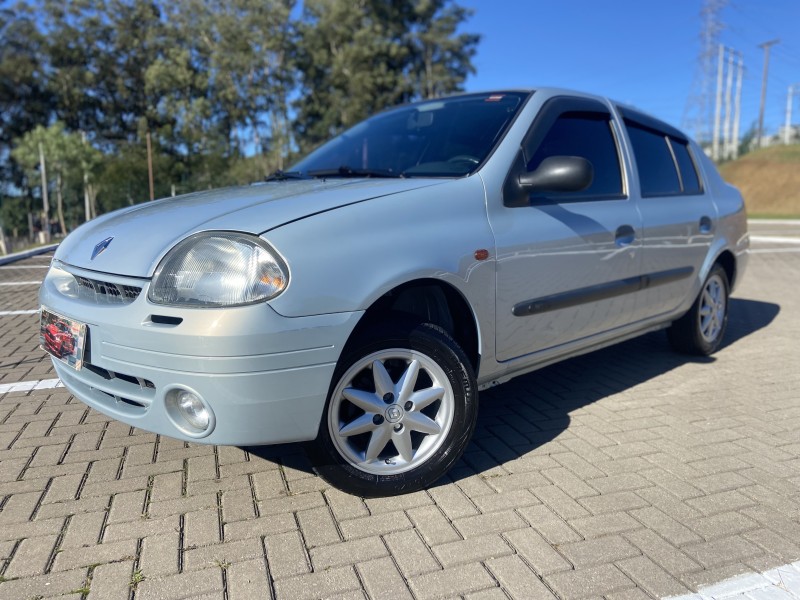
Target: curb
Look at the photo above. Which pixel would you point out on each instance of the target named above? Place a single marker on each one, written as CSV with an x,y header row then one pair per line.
x,y
773,221
10,258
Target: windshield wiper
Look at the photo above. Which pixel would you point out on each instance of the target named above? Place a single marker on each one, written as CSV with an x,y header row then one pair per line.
x,y
346,171
279,175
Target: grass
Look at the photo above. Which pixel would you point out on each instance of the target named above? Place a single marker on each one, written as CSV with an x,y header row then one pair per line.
x,y
769,180
757,216
137,578
778,153
82,590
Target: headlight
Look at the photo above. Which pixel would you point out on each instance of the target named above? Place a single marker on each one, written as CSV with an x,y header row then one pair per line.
x,y
219,269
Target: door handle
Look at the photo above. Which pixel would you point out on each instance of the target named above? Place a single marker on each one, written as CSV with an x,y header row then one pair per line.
x,y
706,224
624,236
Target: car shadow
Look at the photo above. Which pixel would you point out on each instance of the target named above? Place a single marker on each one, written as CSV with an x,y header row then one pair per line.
x,y
521,416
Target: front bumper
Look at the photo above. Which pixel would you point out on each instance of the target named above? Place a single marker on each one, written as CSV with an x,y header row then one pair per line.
x,y
264,377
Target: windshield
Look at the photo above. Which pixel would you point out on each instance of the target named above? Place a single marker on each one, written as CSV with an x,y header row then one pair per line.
x,y
438,138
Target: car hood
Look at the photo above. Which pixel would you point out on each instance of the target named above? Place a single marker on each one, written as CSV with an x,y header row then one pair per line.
x,y
143,233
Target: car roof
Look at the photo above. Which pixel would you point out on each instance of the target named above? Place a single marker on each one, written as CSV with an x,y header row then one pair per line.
x,y
626,111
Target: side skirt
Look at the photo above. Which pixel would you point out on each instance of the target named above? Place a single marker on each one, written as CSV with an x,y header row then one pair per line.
x,y
544,358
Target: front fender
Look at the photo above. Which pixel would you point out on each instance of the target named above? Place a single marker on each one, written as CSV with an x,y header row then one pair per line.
x,y
344,260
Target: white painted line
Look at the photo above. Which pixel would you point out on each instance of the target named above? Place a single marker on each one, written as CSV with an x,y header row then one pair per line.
x,y
8,313
780,583
13,283
775,240
773,221
774,250
26,386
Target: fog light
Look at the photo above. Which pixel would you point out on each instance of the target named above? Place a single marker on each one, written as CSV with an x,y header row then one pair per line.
x,y
190,408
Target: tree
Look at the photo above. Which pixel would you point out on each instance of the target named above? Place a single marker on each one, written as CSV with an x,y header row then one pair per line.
x,y
66,154
25,100
441,58
253,59
356,57
71,62
226,89
351,62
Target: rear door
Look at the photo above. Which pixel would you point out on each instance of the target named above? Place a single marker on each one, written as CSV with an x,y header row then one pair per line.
x,y
678,216
567,263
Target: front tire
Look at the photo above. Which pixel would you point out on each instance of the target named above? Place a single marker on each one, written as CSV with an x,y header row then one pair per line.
x,y
401,409
700,331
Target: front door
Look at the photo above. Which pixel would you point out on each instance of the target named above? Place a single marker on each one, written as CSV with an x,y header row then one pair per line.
x,y
568,263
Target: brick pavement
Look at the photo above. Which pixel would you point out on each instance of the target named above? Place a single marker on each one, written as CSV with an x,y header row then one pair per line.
x,y
627,473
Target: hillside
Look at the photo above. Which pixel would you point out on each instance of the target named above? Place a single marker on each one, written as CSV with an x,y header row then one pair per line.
x,y
769,180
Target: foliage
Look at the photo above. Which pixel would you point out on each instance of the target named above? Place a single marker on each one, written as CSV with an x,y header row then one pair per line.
x,y
25,99
66,156
356,57
14,213
227,90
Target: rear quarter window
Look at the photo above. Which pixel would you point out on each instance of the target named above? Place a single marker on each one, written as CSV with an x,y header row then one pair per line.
x,y
688,170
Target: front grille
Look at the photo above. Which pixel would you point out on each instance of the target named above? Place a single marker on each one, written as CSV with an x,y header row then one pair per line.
x,y
104,292
109,375
128,401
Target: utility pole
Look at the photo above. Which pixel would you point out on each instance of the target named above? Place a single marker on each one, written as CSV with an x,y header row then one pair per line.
x,y
718,105
788,124
737,108
787,131
726,130
766,46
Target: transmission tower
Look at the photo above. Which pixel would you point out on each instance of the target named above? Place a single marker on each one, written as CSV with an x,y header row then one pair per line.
x,y
698,115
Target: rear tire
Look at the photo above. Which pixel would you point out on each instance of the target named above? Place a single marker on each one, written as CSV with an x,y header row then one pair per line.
x,y
700,331
400,411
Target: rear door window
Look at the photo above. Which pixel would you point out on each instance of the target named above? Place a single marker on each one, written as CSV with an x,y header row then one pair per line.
x,y
658,175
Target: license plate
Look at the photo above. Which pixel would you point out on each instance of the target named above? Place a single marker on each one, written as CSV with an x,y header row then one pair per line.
x,y
63,338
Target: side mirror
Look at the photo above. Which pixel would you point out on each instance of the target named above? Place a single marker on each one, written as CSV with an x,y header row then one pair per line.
x,y
559,174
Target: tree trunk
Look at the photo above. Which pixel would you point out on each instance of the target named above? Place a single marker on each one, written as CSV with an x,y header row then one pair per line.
x,y
87,207
45,203
92,201
60,205
3,248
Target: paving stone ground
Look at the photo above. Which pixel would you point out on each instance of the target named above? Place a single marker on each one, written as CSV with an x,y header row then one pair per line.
x,y
628,473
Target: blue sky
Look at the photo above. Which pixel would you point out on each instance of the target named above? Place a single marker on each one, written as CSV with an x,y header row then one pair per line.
x,y
642,52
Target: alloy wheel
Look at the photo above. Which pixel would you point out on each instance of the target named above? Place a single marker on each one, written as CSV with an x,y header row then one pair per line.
x,y
391,411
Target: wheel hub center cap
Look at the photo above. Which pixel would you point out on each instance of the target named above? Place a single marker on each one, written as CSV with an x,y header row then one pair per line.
x,y
394,414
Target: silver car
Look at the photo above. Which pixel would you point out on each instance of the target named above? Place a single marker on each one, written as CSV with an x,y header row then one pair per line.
x,y
364,297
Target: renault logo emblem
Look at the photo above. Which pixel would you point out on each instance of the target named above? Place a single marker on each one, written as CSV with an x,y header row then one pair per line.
x,y
99,248
393,414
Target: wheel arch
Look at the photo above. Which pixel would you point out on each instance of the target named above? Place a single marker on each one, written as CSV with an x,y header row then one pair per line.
x,y
721,254
433,301
727,261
